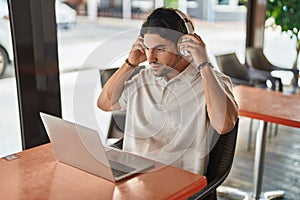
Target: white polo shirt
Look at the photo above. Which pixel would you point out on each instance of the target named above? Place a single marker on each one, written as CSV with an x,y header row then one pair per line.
x,y
168,121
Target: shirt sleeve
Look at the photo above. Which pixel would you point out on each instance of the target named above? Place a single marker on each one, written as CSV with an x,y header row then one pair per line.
x,y
228,87
129,87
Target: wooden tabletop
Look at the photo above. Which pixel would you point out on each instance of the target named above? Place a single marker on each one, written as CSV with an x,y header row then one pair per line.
x,y
36,174
268,105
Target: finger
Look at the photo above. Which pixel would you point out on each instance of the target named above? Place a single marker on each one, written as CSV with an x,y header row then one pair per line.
x,y
140,48
200,40
191,46
189,39
195,46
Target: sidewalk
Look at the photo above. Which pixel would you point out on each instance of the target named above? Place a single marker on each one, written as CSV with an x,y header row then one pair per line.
x,y
224,36
220,37
136,23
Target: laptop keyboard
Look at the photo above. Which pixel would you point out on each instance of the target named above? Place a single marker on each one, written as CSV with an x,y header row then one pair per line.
x,y
120,169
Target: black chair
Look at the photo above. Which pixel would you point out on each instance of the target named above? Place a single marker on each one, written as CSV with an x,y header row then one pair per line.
x,y
256,59
117,122
231,66
220,162
239,73
242,74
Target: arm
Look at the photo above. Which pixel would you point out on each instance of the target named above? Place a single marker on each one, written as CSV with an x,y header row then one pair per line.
x,y
221,107
108,100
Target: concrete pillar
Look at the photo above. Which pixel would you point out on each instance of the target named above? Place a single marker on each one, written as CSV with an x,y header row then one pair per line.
x,y
126,9
233,2
158,3
256,23
92,9
182,5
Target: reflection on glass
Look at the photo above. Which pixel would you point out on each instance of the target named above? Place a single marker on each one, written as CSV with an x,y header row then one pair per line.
x,y
79,35
6,52
10,134
106,33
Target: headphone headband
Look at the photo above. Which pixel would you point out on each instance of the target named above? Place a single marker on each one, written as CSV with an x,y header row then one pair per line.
x,y
187,23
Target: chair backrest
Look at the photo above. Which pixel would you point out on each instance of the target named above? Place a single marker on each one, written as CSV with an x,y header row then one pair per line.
x,y
255,58
230,65
105,74
117,122
220,163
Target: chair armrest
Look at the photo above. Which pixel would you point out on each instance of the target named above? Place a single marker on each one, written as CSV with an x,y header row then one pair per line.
x,y
294,70
236,81
259,75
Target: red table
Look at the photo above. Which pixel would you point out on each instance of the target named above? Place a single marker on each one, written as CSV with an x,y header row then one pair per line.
x,y
36,174
267,106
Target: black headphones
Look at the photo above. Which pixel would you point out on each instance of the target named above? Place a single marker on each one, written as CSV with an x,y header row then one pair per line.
x,y
187,23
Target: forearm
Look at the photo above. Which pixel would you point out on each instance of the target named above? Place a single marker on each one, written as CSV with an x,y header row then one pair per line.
x,y
111,93
112,90
221,107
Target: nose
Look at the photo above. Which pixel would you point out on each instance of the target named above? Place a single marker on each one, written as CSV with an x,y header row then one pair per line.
x,y
151,56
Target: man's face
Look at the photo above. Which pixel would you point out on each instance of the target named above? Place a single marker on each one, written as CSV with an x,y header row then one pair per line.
x,y
161,54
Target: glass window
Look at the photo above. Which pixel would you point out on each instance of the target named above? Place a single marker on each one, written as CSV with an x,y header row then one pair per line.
x,y
10,134
87,44
223,2
140,8
104,41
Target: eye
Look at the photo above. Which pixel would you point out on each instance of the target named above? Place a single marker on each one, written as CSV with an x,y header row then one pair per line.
x,y
160,49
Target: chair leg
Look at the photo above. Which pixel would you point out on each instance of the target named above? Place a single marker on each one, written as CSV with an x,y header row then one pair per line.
x,y
270,129
273,87
250,135
271,125
276,130
296,77
212,196
280,85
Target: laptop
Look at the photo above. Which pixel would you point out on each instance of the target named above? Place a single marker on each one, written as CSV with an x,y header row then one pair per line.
x,y
81,147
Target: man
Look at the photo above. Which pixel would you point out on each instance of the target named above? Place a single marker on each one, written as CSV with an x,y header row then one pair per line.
x,y
172,106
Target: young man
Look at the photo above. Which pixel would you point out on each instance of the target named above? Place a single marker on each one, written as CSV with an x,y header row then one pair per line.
x,y
174,105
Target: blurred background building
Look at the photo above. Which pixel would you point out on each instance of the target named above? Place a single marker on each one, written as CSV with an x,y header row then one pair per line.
x,y
211,10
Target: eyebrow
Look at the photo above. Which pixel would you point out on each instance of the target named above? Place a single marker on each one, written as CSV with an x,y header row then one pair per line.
x,y
157,46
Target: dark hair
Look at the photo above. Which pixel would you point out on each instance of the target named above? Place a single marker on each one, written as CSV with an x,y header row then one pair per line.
x,y
165,22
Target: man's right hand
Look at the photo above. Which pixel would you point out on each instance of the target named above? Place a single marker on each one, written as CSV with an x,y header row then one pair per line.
x,y
137,54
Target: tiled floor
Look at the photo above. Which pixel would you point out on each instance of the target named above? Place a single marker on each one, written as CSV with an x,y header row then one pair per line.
x,y
282,162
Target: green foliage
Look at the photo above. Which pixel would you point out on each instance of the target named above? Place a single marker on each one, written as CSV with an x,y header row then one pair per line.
x,y
171,3
243,2
286,15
